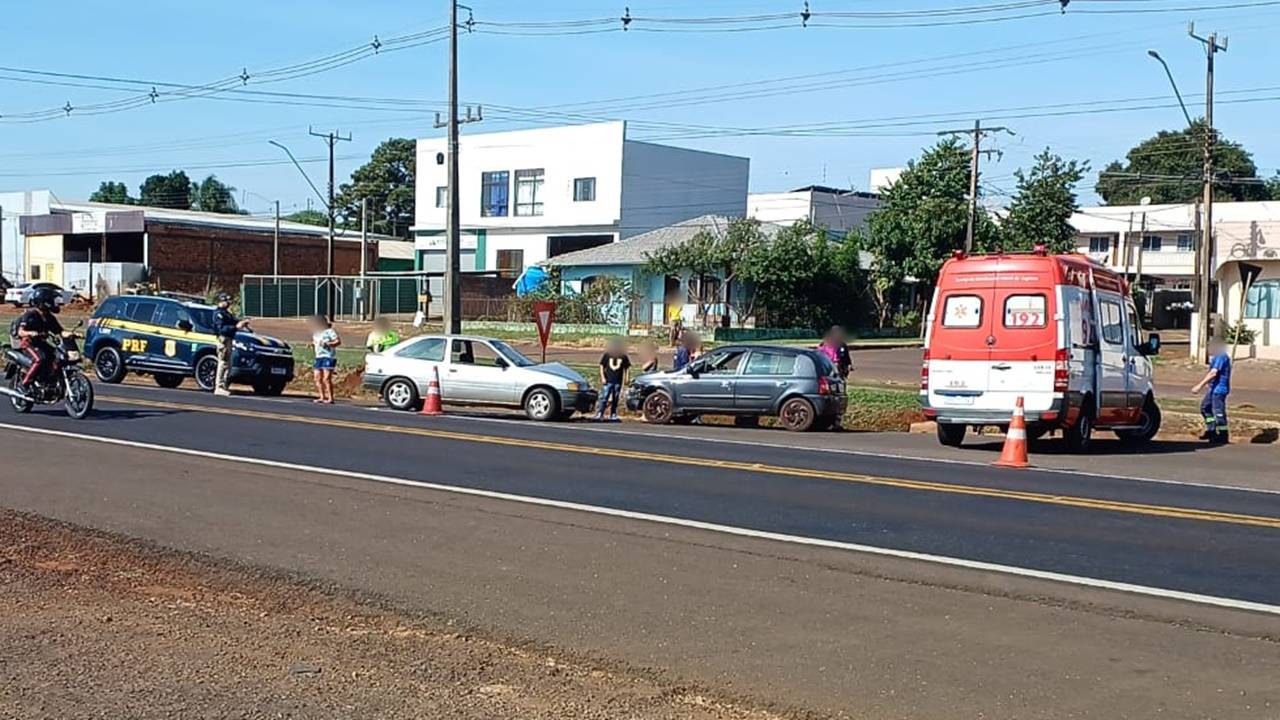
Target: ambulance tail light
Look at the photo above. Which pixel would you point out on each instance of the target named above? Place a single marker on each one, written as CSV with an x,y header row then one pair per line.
x,y
1061,371
924,372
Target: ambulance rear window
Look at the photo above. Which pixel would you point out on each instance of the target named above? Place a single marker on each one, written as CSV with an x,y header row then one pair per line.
x,y
1025,311
962,311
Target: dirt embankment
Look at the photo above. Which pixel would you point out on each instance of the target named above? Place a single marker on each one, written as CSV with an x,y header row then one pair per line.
x,y
96,627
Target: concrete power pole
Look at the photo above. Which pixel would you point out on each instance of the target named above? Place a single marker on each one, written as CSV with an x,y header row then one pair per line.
x,y
1200,348
331,139
977,133
453,229
275,247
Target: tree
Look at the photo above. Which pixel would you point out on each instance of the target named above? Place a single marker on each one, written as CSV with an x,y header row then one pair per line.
x,y
387,182
308,217
166,191
1169,168
1041,209
793,275
714,252
112,192
213,195
1273,186
921,219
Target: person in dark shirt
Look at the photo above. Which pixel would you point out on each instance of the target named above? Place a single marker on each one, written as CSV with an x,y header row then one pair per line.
x,y
844,362
34,327
614,365
225,327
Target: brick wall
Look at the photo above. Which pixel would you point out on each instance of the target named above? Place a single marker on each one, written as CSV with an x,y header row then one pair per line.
x,y
198,259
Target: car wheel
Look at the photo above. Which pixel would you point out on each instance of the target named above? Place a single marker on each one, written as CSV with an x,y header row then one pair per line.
x,y
269,388
541,405
951,435
400,394
168,380
797,415
1148,425
1079,435
207,373
108,365
658,408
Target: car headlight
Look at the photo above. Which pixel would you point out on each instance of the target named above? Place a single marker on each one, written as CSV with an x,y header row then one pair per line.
x,y
573,386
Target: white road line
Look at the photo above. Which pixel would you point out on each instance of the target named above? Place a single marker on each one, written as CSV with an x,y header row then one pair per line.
x,y
1145,590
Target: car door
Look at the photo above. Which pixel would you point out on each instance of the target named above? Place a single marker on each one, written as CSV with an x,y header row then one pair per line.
x,y
1113,361
419,361
711,382
1138,367
173,347
765,376
479,374
139,342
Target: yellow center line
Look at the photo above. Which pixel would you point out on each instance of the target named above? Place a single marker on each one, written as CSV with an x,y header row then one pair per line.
x,y
752,467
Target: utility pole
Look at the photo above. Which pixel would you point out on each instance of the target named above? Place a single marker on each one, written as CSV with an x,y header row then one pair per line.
x,y
453,230
364,255
977,133
275,247
331,139
1200,348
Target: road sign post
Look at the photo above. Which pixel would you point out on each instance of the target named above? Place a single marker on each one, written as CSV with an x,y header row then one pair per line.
x,y
544,314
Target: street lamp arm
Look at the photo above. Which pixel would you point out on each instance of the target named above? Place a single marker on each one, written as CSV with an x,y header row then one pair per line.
x,y
1177,94
314,189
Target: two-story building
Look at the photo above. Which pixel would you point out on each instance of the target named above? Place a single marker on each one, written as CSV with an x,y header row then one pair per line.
x,y
530,195
1155,246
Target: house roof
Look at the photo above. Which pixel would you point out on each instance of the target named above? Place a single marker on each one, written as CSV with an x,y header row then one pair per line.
x,y
208,219
636,250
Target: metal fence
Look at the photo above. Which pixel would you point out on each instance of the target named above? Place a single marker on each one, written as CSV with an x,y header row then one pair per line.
x,y
281,296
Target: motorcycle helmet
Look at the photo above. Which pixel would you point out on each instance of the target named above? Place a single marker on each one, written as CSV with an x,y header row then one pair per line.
x,y
45,298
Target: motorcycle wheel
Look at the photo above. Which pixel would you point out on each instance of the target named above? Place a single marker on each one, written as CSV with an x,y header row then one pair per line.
x,y
19,406
79,400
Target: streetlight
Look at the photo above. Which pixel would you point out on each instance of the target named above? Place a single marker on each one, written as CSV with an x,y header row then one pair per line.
x,y
304,172
1177,94
327,206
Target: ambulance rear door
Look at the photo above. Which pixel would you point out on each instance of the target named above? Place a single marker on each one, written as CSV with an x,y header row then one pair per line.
x,y
959,347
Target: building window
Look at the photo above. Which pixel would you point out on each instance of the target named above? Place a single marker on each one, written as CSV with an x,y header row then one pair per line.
x,y
584,189
510,263
442,196
1263,300
1099,244
529,192
1184,243
494,193
1151,243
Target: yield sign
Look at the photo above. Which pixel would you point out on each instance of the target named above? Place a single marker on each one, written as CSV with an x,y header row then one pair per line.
x,y
544,314
1249,273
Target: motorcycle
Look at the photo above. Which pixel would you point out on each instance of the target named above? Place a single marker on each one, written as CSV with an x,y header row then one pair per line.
x,y
62,381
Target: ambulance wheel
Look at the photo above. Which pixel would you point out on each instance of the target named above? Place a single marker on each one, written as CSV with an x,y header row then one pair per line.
x,y
951,435
1079,436
108,365
1148,425
168,380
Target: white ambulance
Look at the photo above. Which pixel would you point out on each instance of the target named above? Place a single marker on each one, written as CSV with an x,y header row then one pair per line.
x,y
1059,331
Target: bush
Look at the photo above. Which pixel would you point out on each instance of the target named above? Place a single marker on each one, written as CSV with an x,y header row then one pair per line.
x,y
1240,334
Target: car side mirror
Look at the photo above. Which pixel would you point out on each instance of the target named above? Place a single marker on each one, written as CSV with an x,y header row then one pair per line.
x,y
1151,346
185,325
502,363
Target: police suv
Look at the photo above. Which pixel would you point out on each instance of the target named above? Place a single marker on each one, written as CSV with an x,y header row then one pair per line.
x,y
170,339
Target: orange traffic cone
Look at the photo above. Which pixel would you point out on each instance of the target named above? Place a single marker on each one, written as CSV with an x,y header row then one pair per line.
x,y
432,404
1014,454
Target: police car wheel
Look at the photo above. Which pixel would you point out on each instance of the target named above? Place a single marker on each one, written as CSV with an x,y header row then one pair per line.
x,y
207,373
168,380
108,365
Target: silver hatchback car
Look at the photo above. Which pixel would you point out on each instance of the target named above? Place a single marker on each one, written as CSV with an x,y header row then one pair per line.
x,y
476,371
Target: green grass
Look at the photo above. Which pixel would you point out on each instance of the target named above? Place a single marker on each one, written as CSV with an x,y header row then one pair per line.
x,y
348,358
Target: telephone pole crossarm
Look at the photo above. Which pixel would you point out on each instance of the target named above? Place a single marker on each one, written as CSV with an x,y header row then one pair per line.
x,y
977,132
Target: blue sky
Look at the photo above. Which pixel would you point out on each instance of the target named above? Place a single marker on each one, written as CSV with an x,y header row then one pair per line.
x,y
919,80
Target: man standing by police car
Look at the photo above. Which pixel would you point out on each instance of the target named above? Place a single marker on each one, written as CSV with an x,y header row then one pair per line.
x,y
225,326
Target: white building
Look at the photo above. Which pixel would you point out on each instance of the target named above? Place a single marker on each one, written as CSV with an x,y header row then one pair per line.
x,y
13,247
528,195
1158,243
839,211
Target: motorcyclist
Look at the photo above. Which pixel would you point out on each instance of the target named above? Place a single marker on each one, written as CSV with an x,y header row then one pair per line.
x,y
34,327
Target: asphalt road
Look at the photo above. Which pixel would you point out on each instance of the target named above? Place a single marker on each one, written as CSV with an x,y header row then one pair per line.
x,y
770,543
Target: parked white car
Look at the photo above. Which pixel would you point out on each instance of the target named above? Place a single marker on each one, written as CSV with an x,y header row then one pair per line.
x,y
476,371
20,295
